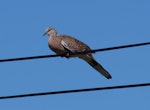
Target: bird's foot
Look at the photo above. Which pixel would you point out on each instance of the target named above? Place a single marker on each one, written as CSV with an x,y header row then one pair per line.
x,y
67,55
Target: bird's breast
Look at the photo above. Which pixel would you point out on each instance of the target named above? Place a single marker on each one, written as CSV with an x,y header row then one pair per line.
x,y
55,45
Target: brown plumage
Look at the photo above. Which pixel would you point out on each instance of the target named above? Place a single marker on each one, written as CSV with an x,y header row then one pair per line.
x,y
64,44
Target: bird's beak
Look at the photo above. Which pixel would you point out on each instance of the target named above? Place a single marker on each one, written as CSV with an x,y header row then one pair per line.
x,y
44,34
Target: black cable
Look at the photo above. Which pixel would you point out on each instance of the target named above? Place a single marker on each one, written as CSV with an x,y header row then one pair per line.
x,y
121,47
75,90
92,51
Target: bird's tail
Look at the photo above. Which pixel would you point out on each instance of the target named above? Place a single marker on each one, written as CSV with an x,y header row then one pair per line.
x,y
99,68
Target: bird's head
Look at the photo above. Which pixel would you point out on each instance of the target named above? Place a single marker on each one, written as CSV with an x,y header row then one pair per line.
x,y
49,31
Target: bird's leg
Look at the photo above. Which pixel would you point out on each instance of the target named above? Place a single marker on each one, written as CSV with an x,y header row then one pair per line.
x,y
67,55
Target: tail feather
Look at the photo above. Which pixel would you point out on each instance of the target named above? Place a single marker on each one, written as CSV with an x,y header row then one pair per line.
x,y
99,68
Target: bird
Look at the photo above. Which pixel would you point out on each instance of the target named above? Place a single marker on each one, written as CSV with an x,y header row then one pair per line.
x,y
67,45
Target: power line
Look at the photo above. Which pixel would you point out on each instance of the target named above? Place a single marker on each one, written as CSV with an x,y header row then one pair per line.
x,y
92,51
75,90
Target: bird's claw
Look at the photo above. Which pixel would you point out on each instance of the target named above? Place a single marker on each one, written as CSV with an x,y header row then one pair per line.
x,y
67,55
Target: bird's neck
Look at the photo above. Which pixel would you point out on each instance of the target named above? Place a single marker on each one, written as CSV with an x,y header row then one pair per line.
x,y
54,36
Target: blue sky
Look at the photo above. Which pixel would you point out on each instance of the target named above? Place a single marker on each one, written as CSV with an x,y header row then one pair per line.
x,y
98,23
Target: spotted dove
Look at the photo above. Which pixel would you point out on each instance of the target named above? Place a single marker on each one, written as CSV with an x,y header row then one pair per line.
x,y
64,44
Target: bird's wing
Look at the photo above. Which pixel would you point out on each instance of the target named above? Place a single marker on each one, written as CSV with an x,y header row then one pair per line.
x,y
65,45
74,45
